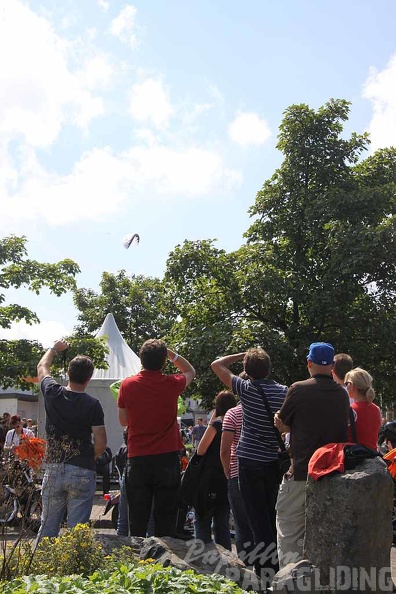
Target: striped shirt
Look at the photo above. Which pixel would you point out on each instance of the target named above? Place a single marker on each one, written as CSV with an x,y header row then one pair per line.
x,y
258,441
233,422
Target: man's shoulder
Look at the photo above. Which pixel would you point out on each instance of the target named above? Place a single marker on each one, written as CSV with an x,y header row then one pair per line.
x,y
305,385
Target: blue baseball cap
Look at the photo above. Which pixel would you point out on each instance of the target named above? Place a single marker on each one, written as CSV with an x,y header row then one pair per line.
x,y
321,353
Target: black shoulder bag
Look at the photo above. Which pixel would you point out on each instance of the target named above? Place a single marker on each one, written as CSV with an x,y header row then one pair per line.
x,y
283,455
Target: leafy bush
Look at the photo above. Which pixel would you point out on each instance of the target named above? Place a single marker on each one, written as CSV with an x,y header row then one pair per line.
x,y
140,578
75,551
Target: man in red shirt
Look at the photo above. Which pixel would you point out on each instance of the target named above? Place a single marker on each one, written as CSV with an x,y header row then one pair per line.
x,y
147,405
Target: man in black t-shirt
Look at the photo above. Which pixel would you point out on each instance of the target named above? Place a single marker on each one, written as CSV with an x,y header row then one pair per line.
x,y
72,416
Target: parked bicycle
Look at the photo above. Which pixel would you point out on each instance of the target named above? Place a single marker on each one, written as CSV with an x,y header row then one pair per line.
x,y
20,497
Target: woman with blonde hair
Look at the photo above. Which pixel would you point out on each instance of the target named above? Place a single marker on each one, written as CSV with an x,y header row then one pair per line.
x,y
359,384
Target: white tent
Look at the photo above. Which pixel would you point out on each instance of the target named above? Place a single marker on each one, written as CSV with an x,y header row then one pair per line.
x,y
122,362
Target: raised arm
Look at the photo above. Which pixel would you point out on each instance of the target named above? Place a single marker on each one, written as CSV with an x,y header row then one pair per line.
x,y
182,365
44,365
221,367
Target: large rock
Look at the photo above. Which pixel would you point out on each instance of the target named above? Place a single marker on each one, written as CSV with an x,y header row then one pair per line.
x,y
348,533
193,554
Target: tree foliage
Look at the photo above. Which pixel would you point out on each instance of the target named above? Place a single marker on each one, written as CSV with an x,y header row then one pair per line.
x,y
137,303
319,262
325,239
19,358
16,270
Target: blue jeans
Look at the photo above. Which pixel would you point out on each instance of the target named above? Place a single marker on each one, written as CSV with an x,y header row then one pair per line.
x,y
66,489
259,488
243,535
220,514
123,519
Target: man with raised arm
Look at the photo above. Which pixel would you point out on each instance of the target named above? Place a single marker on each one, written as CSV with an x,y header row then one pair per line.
x,y
72,416
147,405
257,451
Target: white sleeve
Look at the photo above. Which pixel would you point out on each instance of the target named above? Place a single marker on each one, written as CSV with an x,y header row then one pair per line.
x,y
8,439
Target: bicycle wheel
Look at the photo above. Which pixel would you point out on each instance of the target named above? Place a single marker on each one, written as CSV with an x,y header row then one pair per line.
x,y
33,515
8,509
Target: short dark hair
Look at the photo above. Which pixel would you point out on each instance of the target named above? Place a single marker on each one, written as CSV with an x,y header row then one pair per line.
x,y
257,363
15,419
153,354
223,402
342,364
80,369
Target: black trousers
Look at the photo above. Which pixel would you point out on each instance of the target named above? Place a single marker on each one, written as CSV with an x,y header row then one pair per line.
x,y
153,480
105,472
259,486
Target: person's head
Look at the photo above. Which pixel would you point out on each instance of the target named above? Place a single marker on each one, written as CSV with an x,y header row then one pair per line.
x,y
257,363
320,358
6,416
199,420
389,433
359,384
342,364
15,421
29,423
223,402
80,370
153,354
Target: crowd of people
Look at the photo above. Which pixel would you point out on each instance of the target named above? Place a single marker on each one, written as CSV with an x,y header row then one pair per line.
x,y
239,446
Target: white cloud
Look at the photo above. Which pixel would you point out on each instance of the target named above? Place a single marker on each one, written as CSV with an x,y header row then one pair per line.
x,y
379,88
101,182
191,172
45,332
248,128
40,93
96,73
103,5
123,26
150,103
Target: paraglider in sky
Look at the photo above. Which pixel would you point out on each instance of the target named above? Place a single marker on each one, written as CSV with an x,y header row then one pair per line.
x,y
131,239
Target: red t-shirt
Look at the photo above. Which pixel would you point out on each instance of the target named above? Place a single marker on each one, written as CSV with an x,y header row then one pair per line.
x,y
367,422
150,401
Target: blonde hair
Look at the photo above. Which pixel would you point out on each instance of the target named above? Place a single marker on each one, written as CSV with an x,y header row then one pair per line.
x,y
362,381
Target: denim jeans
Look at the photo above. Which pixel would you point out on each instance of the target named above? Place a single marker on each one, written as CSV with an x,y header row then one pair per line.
x,y
243,535
123,519
220,515
66,489
259,488
153,480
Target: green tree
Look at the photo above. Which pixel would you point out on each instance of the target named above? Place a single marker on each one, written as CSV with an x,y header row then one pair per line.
x,y
322,264
138,304
201,285
16,271
319,262
18,358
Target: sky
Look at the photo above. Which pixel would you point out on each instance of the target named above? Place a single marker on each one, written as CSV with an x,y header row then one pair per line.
x,y
160,117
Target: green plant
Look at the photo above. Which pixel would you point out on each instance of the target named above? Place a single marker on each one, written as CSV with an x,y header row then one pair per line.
x,y
75,551
141,577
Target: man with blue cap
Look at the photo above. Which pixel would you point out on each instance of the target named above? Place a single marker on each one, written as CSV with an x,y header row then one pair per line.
x,y
315,412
